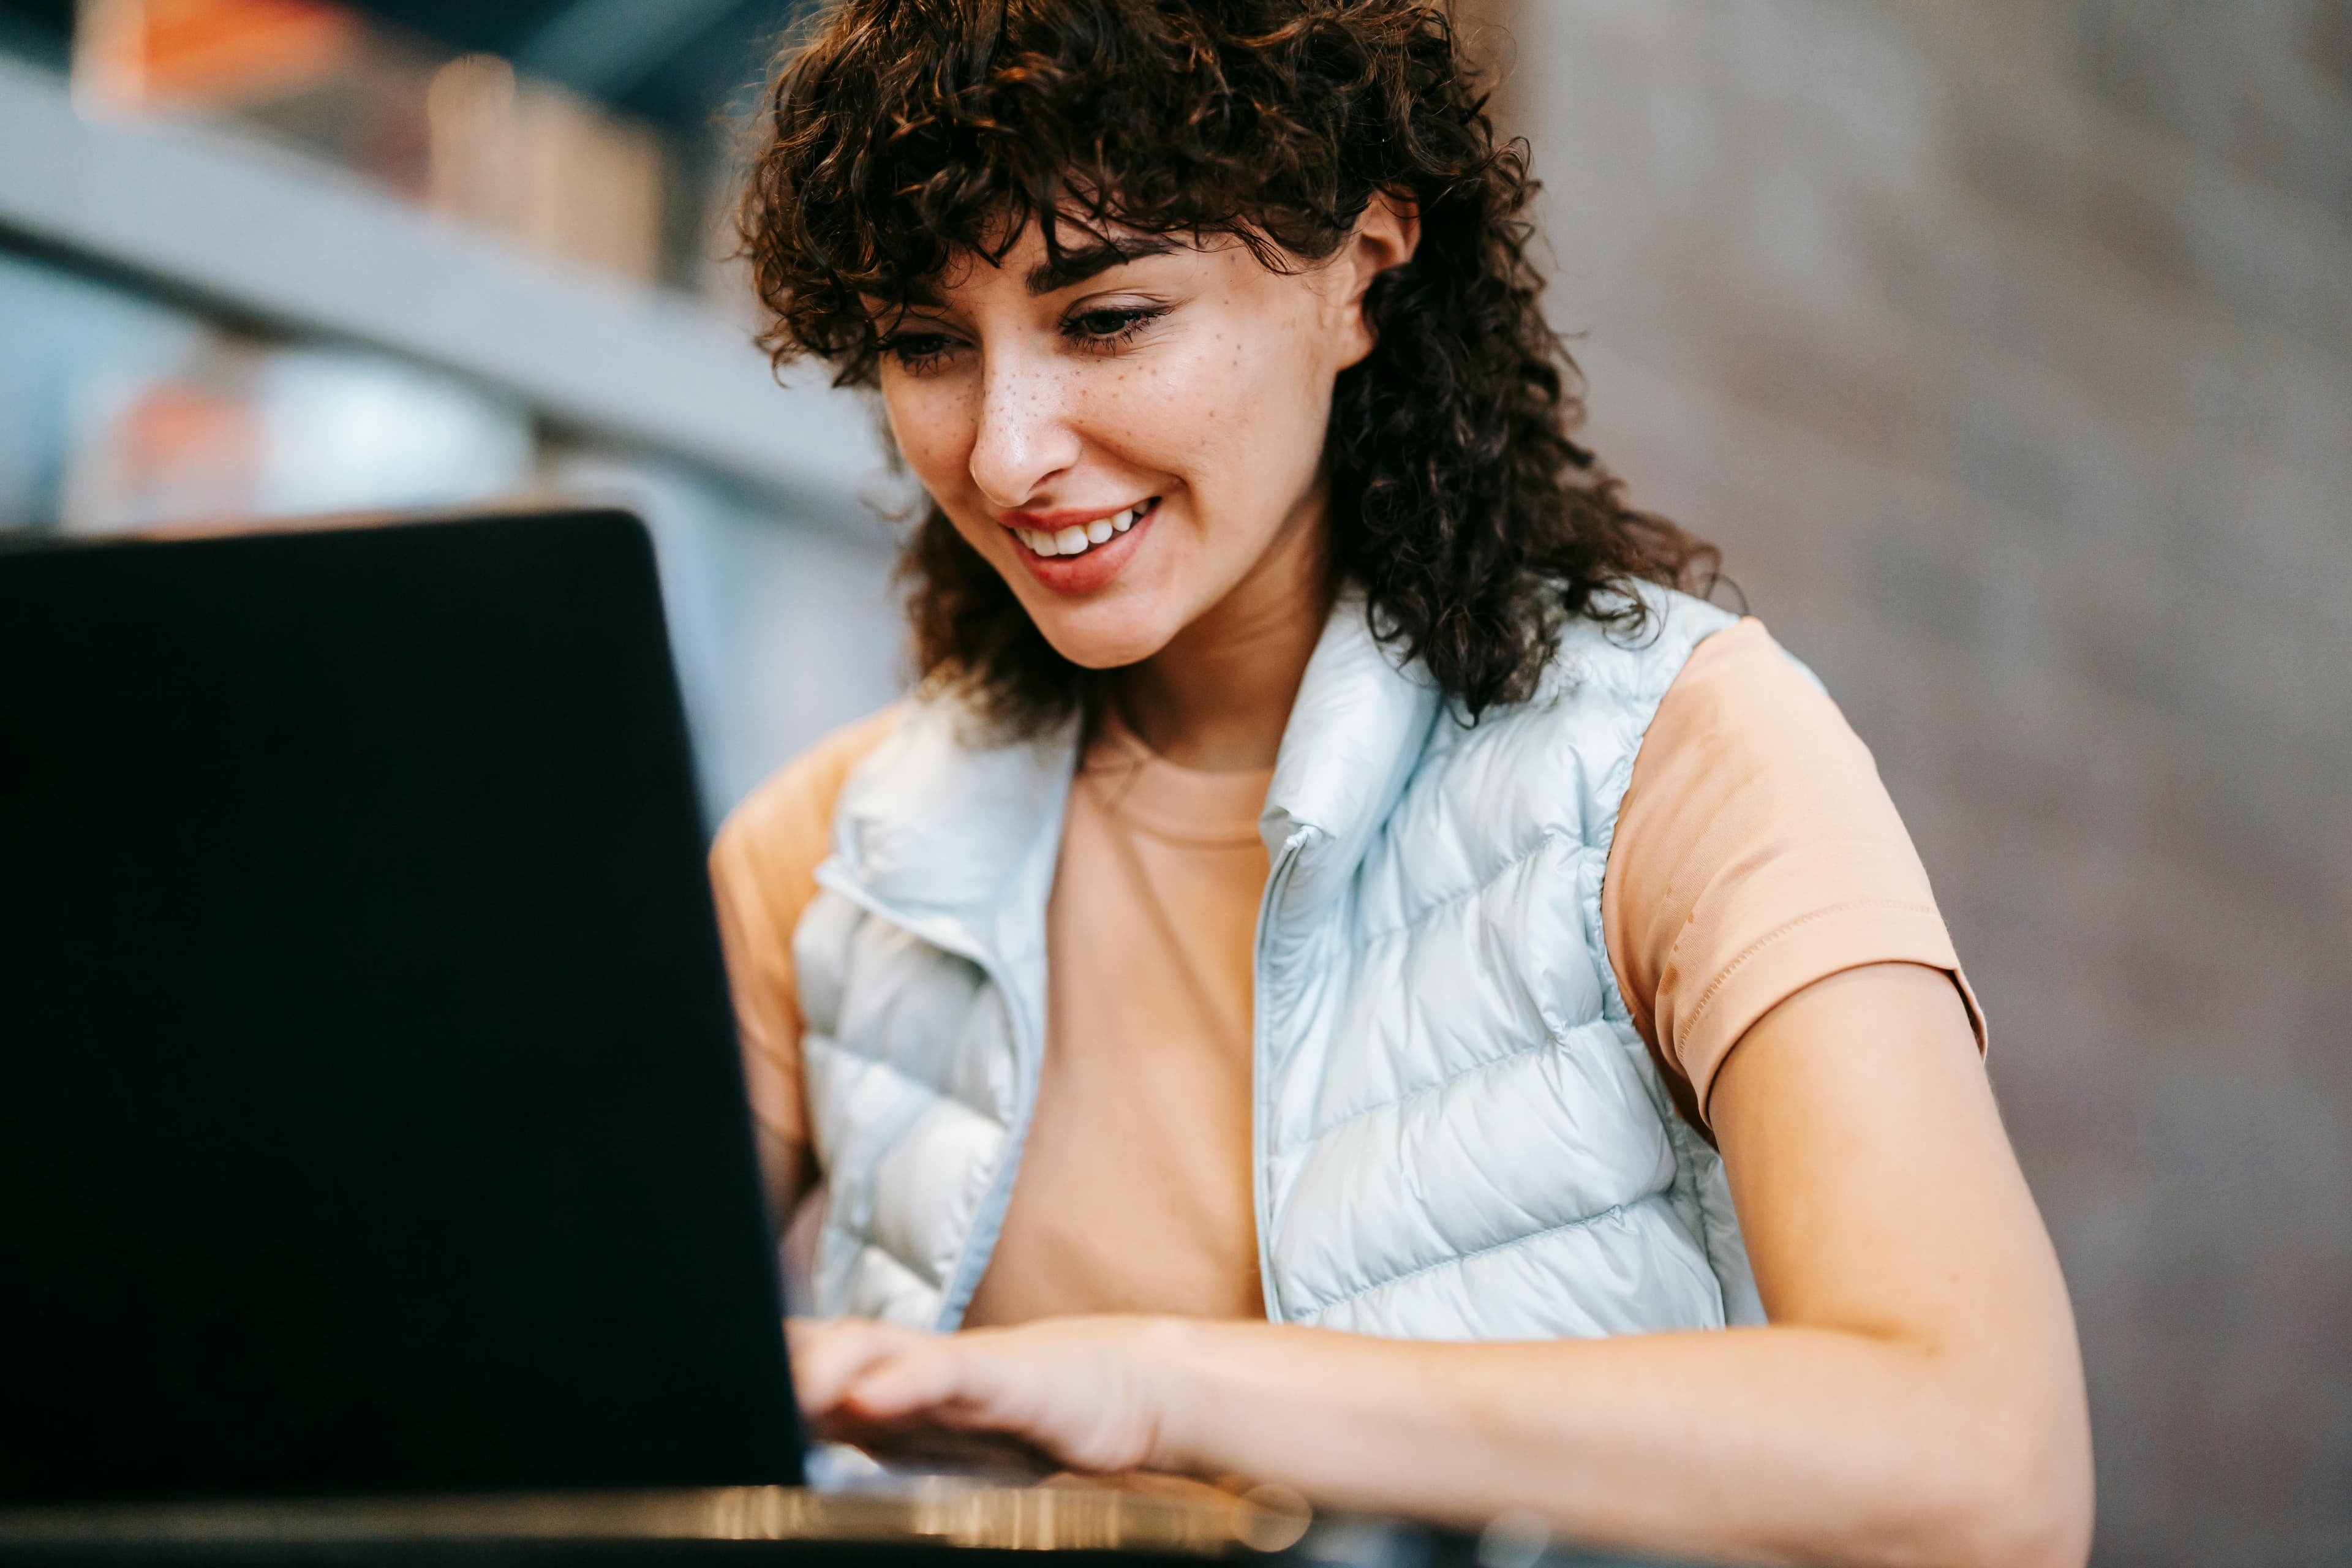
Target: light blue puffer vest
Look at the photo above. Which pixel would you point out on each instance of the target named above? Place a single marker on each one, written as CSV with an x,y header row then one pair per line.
x,y
1459,1135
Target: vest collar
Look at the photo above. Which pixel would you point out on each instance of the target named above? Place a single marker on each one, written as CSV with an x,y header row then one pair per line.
x,y
952,834
955,836
1356,734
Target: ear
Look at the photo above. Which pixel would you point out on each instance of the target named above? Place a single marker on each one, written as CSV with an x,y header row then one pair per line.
x,y
1386,236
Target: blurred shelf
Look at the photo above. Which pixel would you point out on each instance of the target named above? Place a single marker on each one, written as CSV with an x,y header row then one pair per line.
x,y
272,236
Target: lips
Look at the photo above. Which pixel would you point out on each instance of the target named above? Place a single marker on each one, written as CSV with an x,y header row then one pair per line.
x,y
1072,555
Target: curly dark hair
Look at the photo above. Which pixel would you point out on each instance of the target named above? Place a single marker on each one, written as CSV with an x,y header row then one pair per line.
x,y
899,134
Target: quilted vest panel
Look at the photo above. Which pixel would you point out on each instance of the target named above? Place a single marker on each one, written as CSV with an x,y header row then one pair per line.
x,y
1459,1135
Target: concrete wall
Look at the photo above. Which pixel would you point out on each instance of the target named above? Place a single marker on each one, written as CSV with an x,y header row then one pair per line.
x,y
2007,351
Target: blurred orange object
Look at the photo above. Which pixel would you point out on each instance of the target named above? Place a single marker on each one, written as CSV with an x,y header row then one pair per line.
x,y
144,53
178,450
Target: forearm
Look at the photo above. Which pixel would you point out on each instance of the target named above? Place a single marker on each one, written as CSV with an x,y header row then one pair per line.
x,y
1784,1444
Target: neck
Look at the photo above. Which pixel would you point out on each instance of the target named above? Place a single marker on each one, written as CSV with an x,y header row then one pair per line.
x,y
1218,697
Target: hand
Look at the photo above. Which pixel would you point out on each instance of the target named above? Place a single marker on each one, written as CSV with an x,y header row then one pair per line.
x,y
1094,1394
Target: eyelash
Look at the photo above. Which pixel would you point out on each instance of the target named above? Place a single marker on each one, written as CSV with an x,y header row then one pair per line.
x,y
919,353
1131,319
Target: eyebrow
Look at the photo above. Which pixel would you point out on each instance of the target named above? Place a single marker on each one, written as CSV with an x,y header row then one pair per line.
x,y
1073,267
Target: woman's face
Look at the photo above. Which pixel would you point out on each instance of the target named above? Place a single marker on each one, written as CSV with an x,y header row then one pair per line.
x,y
1132,434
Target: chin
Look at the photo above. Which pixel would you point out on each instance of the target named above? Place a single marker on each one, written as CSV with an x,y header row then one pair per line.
x,y
1115,645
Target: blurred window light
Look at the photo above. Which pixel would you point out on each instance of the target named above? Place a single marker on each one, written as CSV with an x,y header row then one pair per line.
x,y
344,431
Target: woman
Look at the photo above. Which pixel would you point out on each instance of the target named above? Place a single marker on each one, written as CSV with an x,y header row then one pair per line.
x,y
1279,986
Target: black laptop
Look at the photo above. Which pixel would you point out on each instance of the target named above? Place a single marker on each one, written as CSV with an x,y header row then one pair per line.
x,y
370,1113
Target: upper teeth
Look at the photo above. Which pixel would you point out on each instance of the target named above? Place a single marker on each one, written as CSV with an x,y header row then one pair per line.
x,y
1075,539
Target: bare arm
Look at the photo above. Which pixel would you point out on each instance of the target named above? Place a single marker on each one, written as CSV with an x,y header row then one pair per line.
x,y
1917,1399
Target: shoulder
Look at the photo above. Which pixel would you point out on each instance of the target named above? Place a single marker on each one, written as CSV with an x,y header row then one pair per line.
x,y
812,782
1680,700
1757,851
1636,656
773,841
1592,705
1544,775
1742,707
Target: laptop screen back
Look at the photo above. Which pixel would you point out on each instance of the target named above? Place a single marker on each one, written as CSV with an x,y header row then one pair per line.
x,y
369,1116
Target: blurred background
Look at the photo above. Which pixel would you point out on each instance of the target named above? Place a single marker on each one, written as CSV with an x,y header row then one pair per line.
x,y
2006,349
273,257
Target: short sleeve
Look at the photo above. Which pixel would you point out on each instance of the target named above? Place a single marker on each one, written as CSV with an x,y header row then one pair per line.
x,y
1756,852
762,875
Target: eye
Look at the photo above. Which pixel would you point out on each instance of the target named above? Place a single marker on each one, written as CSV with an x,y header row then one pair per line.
x,y
1108,326
918,353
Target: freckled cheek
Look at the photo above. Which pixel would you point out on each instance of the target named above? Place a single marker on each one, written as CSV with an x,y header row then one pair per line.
x,y
1177,413
934,433
1268,440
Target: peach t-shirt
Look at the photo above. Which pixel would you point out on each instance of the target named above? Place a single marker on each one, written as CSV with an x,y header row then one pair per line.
x,y
1756,852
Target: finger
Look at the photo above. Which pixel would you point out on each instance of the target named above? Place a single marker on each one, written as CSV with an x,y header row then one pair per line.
x,y
915,1380
828,1357
961,1382
985,1384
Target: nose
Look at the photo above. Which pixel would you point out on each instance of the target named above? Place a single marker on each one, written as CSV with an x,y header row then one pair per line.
x,y
1023,434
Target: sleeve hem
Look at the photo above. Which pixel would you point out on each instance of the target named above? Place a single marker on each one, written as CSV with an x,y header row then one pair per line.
x,y
1813,947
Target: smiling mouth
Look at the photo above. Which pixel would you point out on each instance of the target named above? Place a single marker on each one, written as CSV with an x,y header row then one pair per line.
x,y
1081,537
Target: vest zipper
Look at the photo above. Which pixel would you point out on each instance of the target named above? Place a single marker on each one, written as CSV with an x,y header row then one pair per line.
x,y
1261,1189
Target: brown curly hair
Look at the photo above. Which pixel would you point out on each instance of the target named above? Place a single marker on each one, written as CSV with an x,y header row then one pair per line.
x,y
900,133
